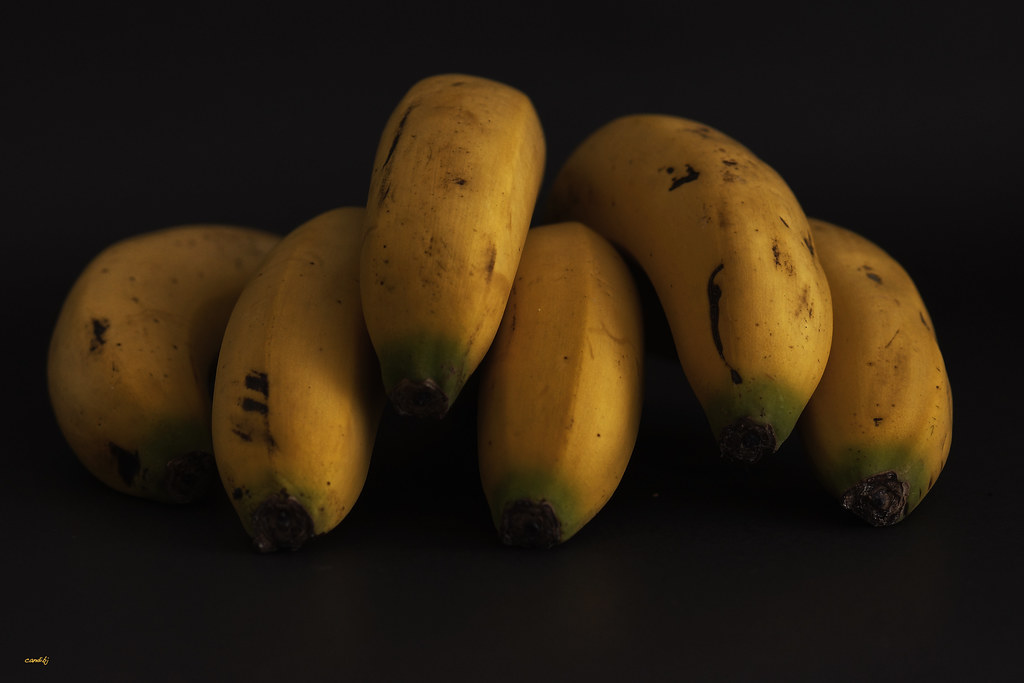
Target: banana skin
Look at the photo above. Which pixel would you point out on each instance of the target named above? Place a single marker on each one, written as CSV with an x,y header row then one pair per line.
x,y
878,429
298,398
132,351
561,389
454,183
729,252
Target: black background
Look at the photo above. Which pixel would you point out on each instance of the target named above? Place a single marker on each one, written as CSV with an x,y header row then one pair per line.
x,y
899,121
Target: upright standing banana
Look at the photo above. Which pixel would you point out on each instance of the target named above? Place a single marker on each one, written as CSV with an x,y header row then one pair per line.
x,y
298,395
452,194
561,389
878,429
134,349
729,252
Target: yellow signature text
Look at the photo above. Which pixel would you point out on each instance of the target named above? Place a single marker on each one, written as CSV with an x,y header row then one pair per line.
x,y
37,660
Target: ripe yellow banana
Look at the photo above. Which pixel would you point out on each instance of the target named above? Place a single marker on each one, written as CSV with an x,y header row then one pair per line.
x,y
133,351
879,426
561,388
452,193
298,396
729,252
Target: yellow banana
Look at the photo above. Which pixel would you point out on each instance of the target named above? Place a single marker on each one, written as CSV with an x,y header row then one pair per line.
x,y
452,193
133,351
878,428
729,252
561,388
298,397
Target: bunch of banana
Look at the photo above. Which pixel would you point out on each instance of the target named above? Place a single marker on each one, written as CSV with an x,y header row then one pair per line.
x,y
298,397
133,349
728,250
561,388
879,426
452,194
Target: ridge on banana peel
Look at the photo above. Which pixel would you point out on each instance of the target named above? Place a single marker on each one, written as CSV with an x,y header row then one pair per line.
x,y
878,429
561,388
132,353
298,398
728,249
454,182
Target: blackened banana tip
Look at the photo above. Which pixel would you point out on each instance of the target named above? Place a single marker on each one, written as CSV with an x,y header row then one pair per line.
x,y
420,398
281,523
190,477
880,499
530,524
747,441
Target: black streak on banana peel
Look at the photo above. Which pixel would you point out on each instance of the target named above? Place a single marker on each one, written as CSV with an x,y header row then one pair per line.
x,y
385,185
281,523
422,399
530,524
714,295
880,500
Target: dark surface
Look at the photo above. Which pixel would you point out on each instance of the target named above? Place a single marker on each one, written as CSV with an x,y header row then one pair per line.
x,y
900,123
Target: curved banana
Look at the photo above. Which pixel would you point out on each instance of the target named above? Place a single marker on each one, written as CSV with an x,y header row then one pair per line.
x,y
729,252
561,388
298,396
879,426
452,194
133,351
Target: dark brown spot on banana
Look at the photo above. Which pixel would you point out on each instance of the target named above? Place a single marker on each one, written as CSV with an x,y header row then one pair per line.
x,y
257,381
99,329
128,463
244,436
492,258
691,175
253,406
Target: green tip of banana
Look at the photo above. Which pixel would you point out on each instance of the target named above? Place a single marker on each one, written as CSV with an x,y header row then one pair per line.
x,y
190,477
281,523
880,500
420,398
530,524
747,441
